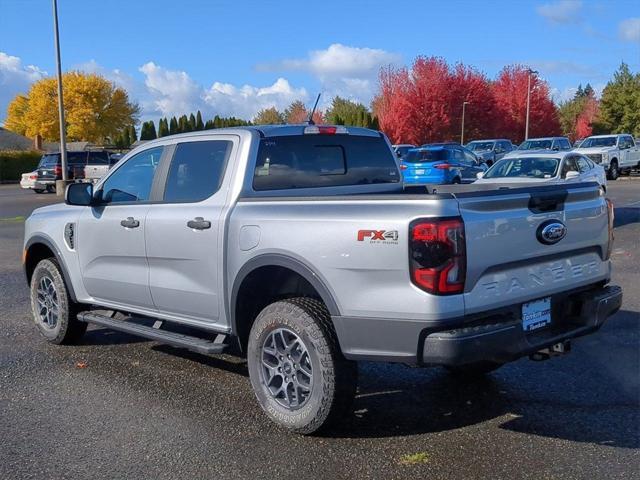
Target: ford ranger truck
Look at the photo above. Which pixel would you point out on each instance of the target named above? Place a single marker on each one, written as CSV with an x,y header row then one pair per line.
x,y
298,246
616,153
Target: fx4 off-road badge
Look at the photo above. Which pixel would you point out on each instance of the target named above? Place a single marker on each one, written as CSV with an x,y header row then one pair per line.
x,y
389,237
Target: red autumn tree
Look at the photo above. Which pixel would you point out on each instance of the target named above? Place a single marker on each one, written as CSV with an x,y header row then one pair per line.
x,y
425,104
584,122
510,97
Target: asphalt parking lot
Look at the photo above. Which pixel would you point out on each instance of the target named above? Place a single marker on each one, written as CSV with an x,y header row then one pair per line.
x,y
120,407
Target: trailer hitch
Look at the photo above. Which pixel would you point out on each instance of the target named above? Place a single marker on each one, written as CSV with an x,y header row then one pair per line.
x,y
555,350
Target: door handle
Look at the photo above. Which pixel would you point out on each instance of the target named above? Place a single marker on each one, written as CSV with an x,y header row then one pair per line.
x,y
199,223
130,222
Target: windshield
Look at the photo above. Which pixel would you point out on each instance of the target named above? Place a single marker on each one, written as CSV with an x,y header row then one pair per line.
x,y
420,156
480,146
528,167
598,142
536,145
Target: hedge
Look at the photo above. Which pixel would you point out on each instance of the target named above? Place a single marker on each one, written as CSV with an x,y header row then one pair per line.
x,y
14,163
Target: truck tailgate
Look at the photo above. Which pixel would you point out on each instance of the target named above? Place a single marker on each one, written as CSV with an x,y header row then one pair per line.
x,y
508,261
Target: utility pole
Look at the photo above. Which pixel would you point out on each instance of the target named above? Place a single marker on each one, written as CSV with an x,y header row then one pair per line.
x,y
60,185
526,128
464,105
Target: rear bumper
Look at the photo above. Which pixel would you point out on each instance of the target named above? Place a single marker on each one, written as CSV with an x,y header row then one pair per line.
x,y
497,336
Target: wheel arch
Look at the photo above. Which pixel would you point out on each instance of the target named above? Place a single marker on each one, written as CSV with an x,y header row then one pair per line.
x,y
39,247
284,268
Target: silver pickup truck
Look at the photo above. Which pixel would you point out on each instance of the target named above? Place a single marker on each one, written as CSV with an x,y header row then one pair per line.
x,y
297,246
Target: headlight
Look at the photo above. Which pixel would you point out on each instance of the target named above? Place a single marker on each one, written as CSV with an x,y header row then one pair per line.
x,y
605,157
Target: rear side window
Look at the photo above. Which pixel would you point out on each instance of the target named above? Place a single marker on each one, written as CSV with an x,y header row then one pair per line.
x,y
196,170
309,161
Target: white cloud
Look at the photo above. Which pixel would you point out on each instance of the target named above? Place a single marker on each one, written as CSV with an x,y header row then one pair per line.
x,y
629,29
171,92
561,11
15,78
244,102
342,70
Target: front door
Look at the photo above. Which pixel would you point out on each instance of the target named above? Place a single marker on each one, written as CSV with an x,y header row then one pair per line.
x,y
184,234
111,236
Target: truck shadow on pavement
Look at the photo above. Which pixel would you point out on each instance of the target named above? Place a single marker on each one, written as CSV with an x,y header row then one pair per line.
x,y
589,396
625,216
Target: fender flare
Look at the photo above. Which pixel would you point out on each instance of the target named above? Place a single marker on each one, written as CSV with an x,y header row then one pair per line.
x,y
280,260
50,244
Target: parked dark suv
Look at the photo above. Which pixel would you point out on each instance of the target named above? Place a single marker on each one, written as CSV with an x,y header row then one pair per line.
x,y
50,168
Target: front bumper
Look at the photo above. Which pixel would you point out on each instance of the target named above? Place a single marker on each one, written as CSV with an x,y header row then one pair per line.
x,y
496,336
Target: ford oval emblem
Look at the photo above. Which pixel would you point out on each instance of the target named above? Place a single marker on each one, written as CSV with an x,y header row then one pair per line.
x,y
551,231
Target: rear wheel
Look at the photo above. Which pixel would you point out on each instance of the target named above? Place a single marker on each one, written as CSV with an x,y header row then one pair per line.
x,y
456,181
613,172
51,188
476,369
299,376
39,190
54,313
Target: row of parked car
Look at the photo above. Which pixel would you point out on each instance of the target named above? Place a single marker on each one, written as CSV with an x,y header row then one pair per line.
x,y
88,166
551,159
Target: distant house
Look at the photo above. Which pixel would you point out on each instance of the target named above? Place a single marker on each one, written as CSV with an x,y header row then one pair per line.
x,y
13,141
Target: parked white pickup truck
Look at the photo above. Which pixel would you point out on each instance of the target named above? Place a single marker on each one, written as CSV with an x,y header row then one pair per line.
x,y
616,153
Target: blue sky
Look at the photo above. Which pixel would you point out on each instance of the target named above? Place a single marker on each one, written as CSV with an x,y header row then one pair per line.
x,y
235,57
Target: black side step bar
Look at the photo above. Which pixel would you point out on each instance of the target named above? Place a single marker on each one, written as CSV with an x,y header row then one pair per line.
x,y
196,344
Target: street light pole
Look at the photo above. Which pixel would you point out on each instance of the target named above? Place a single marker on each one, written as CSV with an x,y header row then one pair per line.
x,y
464,105
526,128
60,186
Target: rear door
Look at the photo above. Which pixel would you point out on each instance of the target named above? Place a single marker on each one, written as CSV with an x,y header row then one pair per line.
x,y
184,235
507,264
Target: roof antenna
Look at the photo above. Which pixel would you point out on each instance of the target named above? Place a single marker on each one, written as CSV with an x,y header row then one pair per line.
x,y
310,121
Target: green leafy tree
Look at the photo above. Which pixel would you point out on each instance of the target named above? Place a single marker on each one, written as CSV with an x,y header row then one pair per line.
x,y
132,134
192,123
620,103
199,124
148,131
268,116
346,112
126,138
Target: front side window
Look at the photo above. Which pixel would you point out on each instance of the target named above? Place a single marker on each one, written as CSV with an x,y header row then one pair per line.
x,y
310,161
196,170
132,181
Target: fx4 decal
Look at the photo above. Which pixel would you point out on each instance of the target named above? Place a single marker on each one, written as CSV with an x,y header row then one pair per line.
x,y
378,236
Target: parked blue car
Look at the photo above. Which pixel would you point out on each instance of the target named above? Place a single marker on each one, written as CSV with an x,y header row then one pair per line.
x,y
440,164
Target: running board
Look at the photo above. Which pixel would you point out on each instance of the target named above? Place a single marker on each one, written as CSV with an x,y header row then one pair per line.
x,y
196,344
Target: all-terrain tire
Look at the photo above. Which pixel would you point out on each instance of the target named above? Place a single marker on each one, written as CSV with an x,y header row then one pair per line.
x,y
334,378
66,329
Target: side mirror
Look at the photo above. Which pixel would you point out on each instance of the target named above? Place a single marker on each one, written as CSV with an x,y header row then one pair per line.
x,y
399,154
479,175
79,194
571,175
556,148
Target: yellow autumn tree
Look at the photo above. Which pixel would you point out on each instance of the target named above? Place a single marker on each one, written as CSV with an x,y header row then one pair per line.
x,y
95,109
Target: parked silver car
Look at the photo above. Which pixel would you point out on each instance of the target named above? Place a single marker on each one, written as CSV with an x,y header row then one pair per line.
x,y
490,151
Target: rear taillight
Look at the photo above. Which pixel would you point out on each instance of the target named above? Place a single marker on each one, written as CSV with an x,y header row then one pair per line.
x,y
403,166
443,166
437,255
57,170
610,215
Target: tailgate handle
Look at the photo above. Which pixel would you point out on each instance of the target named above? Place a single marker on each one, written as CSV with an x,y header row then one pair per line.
x,y
548,202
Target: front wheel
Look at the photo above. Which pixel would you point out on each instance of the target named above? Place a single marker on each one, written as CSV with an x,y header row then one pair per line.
x,y
613,172
54,313
297,371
